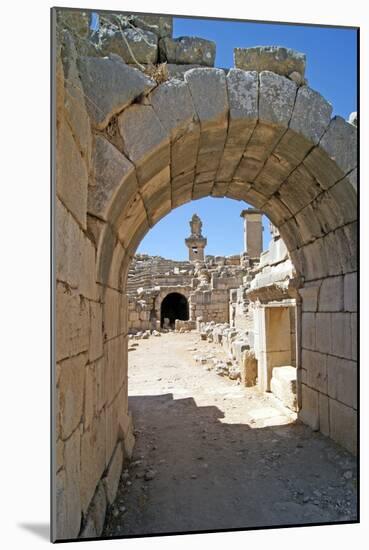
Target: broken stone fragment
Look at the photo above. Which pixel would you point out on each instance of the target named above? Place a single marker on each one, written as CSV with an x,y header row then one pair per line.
x,y
161,25
277,59
187,50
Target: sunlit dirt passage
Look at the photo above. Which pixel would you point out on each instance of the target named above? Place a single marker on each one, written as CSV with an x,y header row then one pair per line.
x,y
211,454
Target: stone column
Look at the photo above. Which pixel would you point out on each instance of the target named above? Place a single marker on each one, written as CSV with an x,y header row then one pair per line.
x,y
253,232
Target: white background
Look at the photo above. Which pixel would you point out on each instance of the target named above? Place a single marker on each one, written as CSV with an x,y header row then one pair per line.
x,y
24,309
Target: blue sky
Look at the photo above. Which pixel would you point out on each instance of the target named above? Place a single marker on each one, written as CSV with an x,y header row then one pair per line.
x,y
330,69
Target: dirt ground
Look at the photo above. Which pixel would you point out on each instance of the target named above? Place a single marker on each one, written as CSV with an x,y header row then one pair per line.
x,y
211,454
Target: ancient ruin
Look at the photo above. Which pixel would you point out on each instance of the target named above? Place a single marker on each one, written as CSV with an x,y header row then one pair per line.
x,y
144,124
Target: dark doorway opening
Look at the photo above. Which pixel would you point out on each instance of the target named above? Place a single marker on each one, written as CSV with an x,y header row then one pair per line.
x,y
174,306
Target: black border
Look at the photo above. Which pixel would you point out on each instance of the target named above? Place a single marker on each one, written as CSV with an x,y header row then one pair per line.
x,y
53,518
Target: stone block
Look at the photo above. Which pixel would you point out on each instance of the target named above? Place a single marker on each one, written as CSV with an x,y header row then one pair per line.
x,y
311,114
96,332
283,385
315,259
188,50
184,152
343,425
316,370
299,189
109,86
323,332
350,292
92,459
74,100
161,25
89,530
342,380
309,294
71,175
75,254
97,509
132,45
308,225
354,340
173,105
208,89
308,330
68,503
111,480
276,98
280,60
113,173
309,413
114,366
72,323
331,294
340,143
77,21
341,335
145,139
243,112
324,414
70,390
322,168
346,197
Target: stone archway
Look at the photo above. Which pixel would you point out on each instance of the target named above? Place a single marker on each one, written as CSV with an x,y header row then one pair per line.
x,y
129,151
174,306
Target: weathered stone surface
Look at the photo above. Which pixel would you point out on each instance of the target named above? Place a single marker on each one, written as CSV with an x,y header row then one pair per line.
x,y
350,292
276,98
309,294
178,71
243,112
96,335
145,139
173,105
132,45
92,459
70,391
323,332
315,259
308,330
109,86
68,504
111,168
111,479
311,114
74,100
71,175
277,59
343,425
209,94
98,508
345,196
341,334
316,370
76,21
309,412
322,168
342,380
162,25
89,530
283,385
72,323
331,294
324,414
340,143
187,50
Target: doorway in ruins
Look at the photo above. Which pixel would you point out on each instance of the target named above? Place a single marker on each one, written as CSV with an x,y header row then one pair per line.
x,y
173,307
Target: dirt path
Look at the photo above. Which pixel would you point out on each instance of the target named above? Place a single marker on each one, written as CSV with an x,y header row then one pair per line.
x,y
220,456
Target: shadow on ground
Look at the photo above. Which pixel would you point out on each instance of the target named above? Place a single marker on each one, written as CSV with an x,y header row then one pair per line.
x,y
211,475
42,530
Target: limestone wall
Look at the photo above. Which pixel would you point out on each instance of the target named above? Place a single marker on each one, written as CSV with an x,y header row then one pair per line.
x,y
129,150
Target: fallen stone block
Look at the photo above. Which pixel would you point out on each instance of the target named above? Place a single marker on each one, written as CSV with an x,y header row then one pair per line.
x,y
187,50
